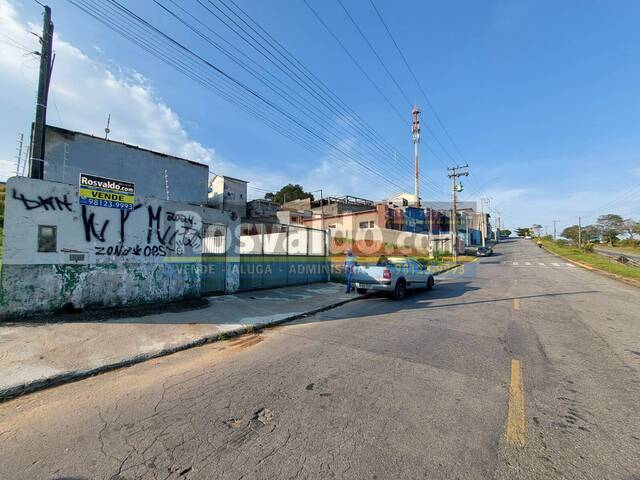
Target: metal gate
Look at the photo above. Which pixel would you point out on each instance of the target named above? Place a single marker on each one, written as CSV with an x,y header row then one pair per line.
x,y
214,257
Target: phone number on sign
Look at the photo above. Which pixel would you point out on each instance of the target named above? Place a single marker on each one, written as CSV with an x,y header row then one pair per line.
x,y
106,203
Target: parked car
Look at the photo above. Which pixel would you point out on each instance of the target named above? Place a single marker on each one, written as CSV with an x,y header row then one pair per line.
x,y
484,252
395,275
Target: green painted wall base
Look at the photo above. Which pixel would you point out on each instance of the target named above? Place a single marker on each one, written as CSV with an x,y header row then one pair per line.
x,y
45,288
270,271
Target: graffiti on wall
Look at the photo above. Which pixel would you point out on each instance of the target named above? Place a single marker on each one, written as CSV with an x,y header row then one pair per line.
x,y
157,232
49,203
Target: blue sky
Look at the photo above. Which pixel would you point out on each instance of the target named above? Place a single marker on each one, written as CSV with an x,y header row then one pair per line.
x,y
541,98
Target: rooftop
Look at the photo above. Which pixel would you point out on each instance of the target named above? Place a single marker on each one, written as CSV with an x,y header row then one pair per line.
x,y
66,132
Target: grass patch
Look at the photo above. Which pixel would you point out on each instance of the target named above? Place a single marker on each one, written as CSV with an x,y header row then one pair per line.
x,y
593,260
459,258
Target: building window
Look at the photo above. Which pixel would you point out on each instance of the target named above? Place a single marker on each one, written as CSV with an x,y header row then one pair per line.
x,y
47,236
366,224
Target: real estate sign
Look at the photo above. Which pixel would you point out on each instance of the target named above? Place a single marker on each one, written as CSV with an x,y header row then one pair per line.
x,y
106,192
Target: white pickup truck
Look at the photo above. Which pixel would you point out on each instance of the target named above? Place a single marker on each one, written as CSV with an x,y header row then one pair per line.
x,y
395,275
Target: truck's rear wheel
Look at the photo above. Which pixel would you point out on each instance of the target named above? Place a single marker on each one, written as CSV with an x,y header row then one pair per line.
x,y
400,290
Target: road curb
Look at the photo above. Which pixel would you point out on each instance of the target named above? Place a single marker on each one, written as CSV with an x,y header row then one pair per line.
x,y
613,276
76,375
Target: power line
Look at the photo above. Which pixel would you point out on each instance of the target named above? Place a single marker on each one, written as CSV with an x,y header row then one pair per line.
x,y
393,79
236,84
376,86
350,114
326,123
415,78
353,59
191,64
268,40
299,73
372,48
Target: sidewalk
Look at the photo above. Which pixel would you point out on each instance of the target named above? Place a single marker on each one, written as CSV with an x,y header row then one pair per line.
x,y
38,355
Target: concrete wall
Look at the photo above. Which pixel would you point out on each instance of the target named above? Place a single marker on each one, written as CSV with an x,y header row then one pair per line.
x,y
103,256
69,153
229,194
290,256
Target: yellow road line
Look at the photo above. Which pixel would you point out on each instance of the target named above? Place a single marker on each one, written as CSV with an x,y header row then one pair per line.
x,y
516,304
515,421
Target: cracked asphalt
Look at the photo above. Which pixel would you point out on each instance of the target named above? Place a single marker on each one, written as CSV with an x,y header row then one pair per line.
x,y
376,389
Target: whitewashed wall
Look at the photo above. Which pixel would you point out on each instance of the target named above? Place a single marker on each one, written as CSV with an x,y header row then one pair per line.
x,y
103,256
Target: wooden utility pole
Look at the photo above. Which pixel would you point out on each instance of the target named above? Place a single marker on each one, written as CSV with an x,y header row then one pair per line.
x,y
454,173
555,223
579,232
36,168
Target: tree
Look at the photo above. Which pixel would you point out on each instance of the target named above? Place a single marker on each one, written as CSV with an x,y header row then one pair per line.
x,y
288,193
590,233
505,232
631,227
536,229
571,233
611,225
523,231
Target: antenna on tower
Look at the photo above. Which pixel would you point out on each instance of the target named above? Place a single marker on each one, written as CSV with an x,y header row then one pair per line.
x,y
415,135
107,130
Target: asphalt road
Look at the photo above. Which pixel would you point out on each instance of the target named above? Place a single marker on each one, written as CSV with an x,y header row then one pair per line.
x,y
617,253
426,387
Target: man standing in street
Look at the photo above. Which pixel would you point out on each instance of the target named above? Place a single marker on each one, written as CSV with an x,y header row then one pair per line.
x,y
349,264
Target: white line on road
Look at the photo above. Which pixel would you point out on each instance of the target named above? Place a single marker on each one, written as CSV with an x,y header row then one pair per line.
x,y
515,263
527,263
569,264
542,264
555,264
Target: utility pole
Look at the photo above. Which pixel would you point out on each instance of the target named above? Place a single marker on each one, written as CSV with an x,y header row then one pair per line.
x,y
321,210
19,156
430,210
483,229
36,169
579,232
555,222
454,173
415,135
466,224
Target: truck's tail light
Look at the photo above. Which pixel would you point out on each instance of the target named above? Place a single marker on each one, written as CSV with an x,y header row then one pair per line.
x,y
386,273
